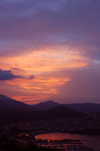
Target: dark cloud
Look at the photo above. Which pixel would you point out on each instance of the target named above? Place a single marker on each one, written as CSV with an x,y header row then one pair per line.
x,y
7,75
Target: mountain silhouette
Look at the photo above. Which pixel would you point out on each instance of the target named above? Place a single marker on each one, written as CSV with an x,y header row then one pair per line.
x,y
6,102
12,111
61,112
85,107
46,105
81,107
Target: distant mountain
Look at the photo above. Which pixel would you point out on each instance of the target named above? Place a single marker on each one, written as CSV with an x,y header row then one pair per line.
x,y
46,105
84,107
61,112
81,107
6,102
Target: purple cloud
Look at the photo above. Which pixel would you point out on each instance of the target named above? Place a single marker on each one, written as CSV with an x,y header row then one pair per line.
x,y
7,75
33,24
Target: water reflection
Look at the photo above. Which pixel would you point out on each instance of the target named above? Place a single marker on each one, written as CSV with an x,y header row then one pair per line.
x,y
88,140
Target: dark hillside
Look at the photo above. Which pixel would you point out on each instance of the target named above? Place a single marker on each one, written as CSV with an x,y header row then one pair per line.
x,y
46,105
11,103
62,111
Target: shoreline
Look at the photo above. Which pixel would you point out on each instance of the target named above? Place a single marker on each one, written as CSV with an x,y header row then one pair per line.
x,y
81,133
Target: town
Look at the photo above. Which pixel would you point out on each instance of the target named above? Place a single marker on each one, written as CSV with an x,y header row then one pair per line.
x,y
23,134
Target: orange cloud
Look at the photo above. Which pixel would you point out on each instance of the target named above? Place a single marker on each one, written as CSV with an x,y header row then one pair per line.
x,y
43,61
41,65
43,85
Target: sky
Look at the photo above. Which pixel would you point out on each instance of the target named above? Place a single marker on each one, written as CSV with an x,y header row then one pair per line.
x,y
50,50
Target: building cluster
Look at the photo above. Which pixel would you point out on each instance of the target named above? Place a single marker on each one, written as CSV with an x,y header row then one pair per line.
x,y
81,125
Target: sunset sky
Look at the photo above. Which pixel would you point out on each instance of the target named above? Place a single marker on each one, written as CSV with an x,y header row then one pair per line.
x,y
50,50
